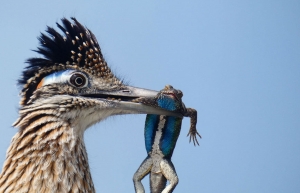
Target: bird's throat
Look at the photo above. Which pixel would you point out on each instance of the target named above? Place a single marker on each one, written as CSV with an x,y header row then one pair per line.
x,y
46,156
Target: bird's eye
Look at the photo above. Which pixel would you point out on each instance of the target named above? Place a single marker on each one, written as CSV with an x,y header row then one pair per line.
x,y
78,80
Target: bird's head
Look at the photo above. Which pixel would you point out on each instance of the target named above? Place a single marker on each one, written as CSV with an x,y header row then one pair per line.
x,y
73,78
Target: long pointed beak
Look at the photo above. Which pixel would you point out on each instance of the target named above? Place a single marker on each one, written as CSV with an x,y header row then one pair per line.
x,y
128,93
125,101
139,108
136,92
141,92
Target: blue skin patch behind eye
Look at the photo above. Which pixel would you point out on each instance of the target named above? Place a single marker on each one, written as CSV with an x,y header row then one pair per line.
x,y
56,77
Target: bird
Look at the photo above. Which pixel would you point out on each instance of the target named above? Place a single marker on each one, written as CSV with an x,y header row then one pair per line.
x,y
64,91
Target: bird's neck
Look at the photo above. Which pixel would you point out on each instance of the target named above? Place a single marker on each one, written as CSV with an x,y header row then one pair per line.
x,y
46,155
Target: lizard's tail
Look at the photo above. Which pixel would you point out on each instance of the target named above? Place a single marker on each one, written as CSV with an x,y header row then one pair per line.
x,y
157,182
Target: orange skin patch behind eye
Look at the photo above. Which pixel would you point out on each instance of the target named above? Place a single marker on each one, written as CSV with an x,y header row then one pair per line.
x,y
56,77
40,84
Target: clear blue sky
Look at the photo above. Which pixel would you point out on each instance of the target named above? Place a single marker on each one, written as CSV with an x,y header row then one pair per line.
x,y
237,63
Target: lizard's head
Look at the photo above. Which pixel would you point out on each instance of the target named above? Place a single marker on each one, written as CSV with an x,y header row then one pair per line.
x,y
170,98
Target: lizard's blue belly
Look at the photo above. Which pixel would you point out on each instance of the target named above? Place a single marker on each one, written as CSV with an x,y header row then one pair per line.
x,y
169,129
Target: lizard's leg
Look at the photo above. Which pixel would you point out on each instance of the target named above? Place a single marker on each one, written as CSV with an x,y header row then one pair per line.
x,y
142,171
169,172
192,113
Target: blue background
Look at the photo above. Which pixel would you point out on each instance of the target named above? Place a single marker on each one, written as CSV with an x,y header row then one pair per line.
x,y
237,63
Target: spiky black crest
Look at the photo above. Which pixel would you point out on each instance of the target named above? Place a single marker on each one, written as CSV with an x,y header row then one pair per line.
x,y
76,48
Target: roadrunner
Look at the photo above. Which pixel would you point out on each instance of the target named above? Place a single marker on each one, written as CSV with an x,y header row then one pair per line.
x,y
161,134
66,91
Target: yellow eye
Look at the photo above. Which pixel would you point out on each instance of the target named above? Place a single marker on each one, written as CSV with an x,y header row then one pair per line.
x,y
78,80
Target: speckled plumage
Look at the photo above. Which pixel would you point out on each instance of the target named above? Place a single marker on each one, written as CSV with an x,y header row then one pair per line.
x,y
48,154
76,49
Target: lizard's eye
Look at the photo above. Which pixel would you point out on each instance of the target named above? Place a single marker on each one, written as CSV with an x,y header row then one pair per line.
x,y
179,93
78,80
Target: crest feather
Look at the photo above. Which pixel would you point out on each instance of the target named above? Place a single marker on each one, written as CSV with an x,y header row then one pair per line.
x,y
77,48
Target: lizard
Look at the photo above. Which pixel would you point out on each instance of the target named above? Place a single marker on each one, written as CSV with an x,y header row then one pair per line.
x,y
161,133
